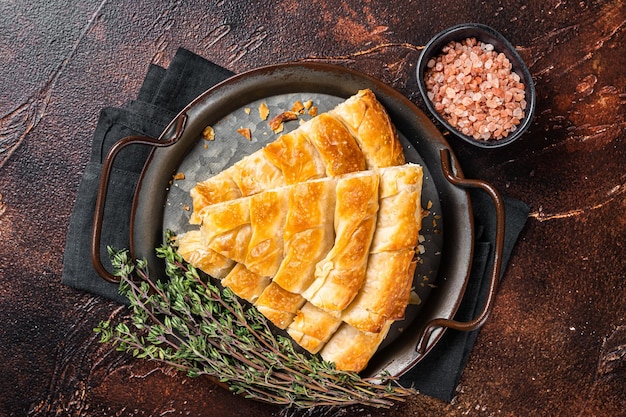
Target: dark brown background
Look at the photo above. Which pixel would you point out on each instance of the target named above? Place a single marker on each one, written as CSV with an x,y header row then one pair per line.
x,y
555,344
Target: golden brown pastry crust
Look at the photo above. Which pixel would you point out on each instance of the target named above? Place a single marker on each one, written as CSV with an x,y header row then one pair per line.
x,y
308,233
321,246
340,274
245,283
391,263
268,211
312,327
256,173
226,228
351,349
296,157
356,135
389,274
279,305
194,251
216,189
335,144
372,128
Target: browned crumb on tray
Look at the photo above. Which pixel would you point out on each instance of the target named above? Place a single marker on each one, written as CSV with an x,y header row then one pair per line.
x,y
245,132
179,176
276,122
208,133
298,107
264,111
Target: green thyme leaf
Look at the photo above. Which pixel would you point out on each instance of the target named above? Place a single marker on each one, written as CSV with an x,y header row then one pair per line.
x,y
197,327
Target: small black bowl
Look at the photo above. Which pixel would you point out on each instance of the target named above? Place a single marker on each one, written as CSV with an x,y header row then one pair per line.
x,y
485,34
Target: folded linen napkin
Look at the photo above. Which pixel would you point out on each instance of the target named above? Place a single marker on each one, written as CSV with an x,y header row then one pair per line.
x,y
162,95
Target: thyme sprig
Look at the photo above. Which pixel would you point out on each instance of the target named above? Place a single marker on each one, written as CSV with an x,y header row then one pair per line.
x,y
195,326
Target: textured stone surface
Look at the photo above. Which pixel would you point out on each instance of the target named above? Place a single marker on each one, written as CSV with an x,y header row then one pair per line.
x,y
555,343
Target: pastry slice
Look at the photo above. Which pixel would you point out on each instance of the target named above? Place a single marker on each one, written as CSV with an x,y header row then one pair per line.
x,y
256,173
226,228
391,264
279,305
385,292
246,284
268,211
313,327
335,144
252,174
400,213
296,157
193,250
340,274
216,189
351,349
308,233
371,126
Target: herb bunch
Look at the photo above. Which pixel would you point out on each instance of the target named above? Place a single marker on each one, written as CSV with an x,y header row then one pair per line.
x,y
197,327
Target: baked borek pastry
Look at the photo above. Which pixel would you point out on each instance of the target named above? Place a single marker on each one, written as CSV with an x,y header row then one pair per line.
x,y
385,292
308,234
371,126
318,230
340,274
312,327
194,251
356,135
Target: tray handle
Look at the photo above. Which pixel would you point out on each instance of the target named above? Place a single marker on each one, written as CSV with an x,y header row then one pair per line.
x,y
105,177
481,318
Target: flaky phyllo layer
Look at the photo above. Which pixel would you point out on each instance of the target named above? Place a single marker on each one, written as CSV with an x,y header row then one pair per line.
x,y
318,230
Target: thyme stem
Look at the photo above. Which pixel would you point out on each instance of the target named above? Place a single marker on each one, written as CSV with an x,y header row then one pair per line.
x,y
192,325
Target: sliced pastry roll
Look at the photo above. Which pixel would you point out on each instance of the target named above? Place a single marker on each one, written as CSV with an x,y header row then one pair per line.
x,y
355,135
252,174
245,283
313,327
400,214
194,251
308,233
279,305
351,349
335,143
296,157
226,228
371,126
256,173
268,211
340,274
385,292
391,263
216,189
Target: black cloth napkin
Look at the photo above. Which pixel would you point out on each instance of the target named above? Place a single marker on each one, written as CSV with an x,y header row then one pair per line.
x,y
438,374
162,95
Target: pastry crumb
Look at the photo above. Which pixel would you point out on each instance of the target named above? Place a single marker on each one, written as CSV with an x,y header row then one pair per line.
x,y
264,111
298,107
208,133
245,132
283,117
